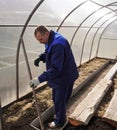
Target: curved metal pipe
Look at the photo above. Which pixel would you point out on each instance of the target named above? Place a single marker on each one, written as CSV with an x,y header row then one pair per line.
x,y
26,59
91,28
84,21
95,36
70,14
21,37
18,49
74,10
98,30
78,29
91,50
90,15
102,34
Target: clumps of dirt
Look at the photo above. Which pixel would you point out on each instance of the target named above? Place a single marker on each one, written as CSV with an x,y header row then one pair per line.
x,y
88,68
45,97
20,114
106,100
23,122
104,103
94,124
115,81
98,124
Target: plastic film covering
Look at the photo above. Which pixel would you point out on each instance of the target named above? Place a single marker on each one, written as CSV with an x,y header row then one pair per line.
x,y
89,25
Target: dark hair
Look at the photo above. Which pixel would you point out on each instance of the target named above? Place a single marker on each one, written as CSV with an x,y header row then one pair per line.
x,y
42,29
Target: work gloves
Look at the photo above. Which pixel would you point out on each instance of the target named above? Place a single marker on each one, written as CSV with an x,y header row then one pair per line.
x,y
40,58
36,61
34,82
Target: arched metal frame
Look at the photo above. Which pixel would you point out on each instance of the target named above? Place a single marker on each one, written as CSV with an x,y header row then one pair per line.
x,y
94,24
102,6
90,30
22,42
97,32
106,6
70,14
24,50
103,33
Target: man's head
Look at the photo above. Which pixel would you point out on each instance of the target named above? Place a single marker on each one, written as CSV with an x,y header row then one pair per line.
x,y
42,34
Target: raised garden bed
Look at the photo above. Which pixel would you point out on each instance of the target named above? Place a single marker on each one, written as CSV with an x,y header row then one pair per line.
x,y
19,115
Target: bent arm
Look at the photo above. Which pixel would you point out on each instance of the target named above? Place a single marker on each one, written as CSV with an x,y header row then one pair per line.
x,y
56,66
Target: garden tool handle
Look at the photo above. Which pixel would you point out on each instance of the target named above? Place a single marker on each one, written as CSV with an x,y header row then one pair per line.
x,y
38,109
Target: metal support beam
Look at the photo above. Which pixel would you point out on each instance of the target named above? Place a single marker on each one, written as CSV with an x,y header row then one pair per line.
x,y
90,30
18,49
102,6
106,6
70,14
97,32
102,34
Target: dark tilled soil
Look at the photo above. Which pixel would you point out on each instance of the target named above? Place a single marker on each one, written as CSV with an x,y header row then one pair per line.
x,y
20,114
94,124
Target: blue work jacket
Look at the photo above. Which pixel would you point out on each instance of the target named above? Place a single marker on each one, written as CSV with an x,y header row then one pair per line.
x,y
61,68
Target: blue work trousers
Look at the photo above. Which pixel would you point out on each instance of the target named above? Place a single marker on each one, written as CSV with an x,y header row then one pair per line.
x,y
60,97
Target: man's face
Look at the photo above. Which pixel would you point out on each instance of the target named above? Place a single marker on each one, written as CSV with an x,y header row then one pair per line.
x,y
42,38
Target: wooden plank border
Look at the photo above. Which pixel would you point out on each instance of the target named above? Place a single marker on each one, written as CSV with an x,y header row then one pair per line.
x,y
86,109
110,115
50,111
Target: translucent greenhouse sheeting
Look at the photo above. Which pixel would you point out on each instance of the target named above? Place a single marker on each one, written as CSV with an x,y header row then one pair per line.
x,y
50,12
104,2
89,25
8,48
15,11
108,43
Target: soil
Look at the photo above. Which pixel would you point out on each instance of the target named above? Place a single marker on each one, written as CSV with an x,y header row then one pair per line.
x,y
20,114
96,123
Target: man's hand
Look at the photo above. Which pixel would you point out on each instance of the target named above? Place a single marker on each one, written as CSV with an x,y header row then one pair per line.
x,y
34,82
36,61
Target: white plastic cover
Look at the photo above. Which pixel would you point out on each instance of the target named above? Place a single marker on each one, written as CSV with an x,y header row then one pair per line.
x,y
89,25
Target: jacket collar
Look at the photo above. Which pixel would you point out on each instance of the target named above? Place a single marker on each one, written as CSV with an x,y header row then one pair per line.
x,y
51,37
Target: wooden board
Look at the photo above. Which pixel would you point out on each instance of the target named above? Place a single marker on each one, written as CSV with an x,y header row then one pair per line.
x,y
85,110
111,112
111,72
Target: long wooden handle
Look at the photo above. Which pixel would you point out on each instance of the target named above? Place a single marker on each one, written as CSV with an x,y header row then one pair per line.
x,y
38,110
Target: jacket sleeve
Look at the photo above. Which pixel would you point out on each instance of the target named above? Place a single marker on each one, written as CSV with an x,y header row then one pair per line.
x,y
42,57
56,65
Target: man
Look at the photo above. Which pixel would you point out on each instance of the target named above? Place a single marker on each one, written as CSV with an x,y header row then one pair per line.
x,y
61,70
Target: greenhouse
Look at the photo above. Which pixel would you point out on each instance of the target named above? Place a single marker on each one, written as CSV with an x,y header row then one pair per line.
x,y
90,27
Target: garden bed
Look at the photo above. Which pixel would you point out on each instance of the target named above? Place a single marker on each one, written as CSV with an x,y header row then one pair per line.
x,y
19,115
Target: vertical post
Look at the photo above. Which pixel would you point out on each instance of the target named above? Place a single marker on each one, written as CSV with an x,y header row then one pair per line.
x,y
1,122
